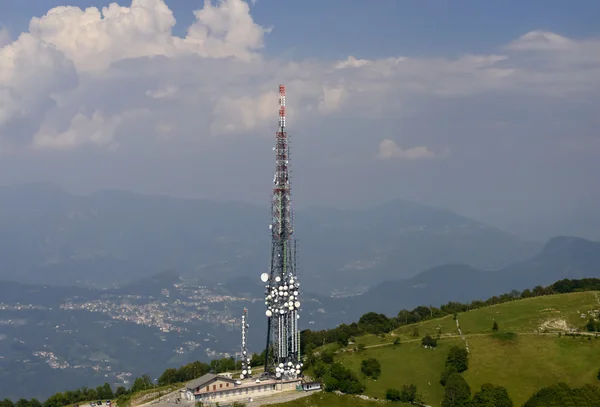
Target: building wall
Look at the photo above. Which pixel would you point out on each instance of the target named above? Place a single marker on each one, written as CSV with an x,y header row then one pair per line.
x,y
260,390
217,385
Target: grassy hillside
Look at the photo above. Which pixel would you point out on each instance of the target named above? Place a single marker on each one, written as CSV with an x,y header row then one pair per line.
x,y
530,315
525,355
333,400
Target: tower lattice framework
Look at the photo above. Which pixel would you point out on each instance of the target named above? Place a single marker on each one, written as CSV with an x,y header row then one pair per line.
x,y
282,286
246,368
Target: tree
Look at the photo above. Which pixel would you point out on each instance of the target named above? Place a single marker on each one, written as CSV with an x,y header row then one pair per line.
x,y
562,395
22,403
327,357
121,391
457,392
598,374
429,341
371,368
408,394
448,371
591,325
397,341
169,376
392,395
403,316
141,383
342,379
495,326
35,403
320,369
375,323
106,391
490,395
459,358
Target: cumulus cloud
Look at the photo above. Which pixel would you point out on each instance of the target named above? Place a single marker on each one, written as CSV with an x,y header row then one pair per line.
x,y
76,73
389,149
541,40
97,129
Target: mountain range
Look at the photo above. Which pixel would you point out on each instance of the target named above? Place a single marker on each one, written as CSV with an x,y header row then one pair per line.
x,y
109,238
561,257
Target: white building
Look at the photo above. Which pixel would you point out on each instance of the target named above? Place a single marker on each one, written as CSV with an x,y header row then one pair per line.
x,y
218,388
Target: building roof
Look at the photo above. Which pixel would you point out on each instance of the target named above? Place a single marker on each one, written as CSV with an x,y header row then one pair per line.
x,y
204,380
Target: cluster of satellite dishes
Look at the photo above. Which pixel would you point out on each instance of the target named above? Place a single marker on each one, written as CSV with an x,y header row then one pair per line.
x,y
287,369
281,297
246,372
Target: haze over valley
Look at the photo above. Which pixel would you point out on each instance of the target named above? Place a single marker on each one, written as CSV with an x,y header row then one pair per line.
x,y
364,179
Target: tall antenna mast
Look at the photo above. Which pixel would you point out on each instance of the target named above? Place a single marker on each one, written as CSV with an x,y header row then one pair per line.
x,y
282,355
246,368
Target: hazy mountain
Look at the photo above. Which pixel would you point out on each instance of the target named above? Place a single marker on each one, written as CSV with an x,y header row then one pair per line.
x,y
112,237
561,257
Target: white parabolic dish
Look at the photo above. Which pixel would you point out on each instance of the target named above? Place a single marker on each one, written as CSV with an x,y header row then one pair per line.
x,y
264,277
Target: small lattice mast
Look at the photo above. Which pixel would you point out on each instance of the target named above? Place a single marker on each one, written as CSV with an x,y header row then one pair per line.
x,y
246,368
282,356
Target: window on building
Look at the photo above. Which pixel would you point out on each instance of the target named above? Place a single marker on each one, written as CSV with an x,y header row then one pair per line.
x,y
227,385
220,385
207,388
214,387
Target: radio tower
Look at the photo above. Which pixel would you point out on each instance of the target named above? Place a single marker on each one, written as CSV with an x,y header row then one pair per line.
x,y
282,355
246,368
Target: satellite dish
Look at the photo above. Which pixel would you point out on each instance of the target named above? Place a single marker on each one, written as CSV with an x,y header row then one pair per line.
x,y
264,277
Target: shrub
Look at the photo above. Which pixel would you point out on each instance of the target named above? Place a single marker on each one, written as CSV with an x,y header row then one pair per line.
x,y
392,395
371,368
429,341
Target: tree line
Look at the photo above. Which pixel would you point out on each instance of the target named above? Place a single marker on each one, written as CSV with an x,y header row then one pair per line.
x,y
104,392
184,373
379,324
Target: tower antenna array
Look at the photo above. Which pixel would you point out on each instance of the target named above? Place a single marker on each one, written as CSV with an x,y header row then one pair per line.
x,y
246,368
282,355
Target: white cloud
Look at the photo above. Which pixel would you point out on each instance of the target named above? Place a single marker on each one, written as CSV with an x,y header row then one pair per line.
x,y
95,129
226,30
244,113
94,38
30,70
215,81
541,40
332,99
388,149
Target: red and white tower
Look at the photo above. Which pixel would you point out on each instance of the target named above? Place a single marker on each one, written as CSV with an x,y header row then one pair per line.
x,y
282,286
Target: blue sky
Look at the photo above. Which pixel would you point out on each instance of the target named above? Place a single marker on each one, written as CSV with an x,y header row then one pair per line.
x,y
376,28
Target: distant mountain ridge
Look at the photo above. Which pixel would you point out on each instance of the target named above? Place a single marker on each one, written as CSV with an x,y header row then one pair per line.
x,y
561,257
50,236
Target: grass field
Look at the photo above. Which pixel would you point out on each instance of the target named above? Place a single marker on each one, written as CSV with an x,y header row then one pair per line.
x,y
526,363
520,357
333,400
552,313
408,363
